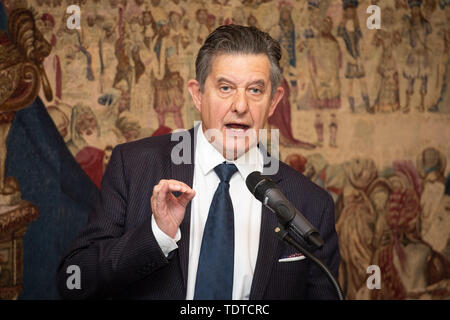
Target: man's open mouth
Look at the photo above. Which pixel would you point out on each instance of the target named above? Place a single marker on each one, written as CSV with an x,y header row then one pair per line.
x,y
237,126
236,129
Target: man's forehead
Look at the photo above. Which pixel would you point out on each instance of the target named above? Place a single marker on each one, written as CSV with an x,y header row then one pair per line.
x,y
240,67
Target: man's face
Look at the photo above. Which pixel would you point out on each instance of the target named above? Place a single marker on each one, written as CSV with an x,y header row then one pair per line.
x,y
91,21
349,13
285,14
379,199
131,135
236,101
124,103
211,21
165,30
86,124
108,31
326,26
175,19
202,16
147,18
47,26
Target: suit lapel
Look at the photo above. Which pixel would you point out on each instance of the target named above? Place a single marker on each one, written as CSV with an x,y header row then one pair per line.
x,y
185,172
268,245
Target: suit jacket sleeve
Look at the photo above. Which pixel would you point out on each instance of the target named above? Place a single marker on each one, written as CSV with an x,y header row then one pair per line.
x,y
319,286
109,255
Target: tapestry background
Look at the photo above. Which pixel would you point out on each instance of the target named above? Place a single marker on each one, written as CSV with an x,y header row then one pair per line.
x,y
366,115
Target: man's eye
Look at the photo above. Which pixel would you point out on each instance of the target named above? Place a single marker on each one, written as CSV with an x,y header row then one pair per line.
x,y
225,89
255,90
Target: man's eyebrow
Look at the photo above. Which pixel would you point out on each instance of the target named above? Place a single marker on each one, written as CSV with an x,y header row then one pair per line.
x,y
259,82
223,79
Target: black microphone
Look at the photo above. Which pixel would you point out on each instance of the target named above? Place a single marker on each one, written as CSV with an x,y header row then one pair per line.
x,y
266,191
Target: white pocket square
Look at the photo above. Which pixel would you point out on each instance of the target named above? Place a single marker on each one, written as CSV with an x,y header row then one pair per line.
x,y
292,257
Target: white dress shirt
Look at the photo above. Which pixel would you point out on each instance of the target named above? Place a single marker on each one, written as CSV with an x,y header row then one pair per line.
x,y
247,215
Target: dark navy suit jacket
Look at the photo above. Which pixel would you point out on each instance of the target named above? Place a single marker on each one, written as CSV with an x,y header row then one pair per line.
x,y
119,256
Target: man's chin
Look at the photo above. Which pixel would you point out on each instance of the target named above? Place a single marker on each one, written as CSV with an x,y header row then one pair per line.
x,y
232,144
231,151
236,149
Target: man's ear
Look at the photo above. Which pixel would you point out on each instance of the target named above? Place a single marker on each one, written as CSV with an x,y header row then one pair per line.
x,y
196,93
278,94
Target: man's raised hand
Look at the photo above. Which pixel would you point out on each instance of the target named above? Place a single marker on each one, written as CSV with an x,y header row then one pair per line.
x,y
169,210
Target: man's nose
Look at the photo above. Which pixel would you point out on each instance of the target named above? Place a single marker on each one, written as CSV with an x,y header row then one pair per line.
x,y
240,101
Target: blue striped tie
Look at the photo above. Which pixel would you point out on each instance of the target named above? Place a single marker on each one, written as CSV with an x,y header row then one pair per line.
x,y
216,262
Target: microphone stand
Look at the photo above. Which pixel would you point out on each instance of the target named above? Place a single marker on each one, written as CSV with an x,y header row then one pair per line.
x,y
286,237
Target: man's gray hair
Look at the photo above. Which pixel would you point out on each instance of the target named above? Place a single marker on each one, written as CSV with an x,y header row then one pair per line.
x,y
236,39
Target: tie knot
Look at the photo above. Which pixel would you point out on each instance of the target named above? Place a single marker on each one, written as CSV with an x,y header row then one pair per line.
x,y
225,171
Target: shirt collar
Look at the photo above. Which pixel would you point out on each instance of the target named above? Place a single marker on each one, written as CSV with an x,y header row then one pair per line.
x,y
208,157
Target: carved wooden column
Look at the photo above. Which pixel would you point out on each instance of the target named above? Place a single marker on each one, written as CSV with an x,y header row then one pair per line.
x,y
14,221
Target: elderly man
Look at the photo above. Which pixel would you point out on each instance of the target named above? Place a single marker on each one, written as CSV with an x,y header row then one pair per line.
x,y
191,230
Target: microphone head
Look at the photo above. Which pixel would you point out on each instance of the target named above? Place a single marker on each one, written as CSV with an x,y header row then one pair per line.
x,y
252,180
259,184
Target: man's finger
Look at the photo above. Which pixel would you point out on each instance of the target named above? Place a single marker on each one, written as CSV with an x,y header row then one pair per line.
x,y
172,185
179,187
186,197
162,191
182,184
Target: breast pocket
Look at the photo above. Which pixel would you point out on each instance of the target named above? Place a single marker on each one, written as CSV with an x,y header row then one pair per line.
x,y
292,264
